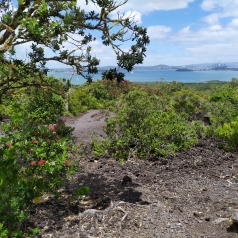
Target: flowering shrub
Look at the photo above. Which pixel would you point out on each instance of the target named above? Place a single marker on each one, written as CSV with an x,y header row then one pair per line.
x,y
33,160
144,127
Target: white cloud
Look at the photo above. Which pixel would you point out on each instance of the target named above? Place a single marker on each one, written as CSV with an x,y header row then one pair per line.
x,y
133,14
158,32
141,6
202,53
210,5
214,33
185,30
209,52
155,5
212,19
233,23
220,8
215,28
88,7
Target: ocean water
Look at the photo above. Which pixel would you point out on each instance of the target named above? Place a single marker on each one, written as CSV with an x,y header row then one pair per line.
x,y
158,75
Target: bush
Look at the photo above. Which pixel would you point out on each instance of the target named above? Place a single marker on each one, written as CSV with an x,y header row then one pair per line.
x,y
222,105
33,159
229,133
111,89
187,103
43,105
145,127
99,90
81,101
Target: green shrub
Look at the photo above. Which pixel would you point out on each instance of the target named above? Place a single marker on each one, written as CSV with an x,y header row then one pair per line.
x,y
42,105
187,103
99,90
144,127
229,133
81,101
107,92
222,105
8,106
4,111
34,159
111,89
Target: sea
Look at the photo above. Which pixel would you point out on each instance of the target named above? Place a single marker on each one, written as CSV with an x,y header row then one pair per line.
x,y
158,75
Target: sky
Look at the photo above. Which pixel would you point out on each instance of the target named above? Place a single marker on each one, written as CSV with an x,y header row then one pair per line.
x,y
181,32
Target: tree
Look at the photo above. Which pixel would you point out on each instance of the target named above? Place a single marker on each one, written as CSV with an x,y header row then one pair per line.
x,y
48,25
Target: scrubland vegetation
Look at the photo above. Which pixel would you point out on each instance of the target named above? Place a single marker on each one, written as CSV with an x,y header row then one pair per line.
x,y
148,123
37,151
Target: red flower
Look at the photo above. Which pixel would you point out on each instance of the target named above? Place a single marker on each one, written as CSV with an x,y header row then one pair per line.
x,y
15,127
35,133
8,144
30,151
41,162
34,141
33,162
66,162
52,127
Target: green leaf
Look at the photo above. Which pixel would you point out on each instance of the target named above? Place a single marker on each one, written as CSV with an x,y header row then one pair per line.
x,y
30,194
81,191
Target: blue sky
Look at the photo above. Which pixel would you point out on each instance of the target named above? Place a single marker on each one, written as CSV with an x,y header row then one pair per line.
x,y
181,31
184,31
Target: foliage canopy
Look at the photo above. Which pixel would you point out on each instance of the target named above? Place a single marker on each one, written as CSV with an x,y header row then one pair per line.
x,y
66,30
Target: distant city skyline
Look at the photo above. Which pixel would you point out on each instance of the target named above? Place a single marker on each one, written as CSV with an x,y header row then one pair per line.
x,y
182,32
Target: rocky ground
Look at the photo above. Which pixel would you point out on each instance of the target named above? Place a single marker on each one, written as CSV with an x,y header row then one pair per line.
x,y
191,194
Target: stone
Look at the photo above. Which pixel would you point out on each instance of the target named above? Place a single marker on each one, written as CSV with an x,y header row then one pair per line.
x,y
235,216
220,220
126,180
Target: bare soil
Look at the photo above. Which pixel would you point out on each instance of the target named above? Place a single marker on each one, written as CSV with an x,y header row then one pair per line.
x,y
193,193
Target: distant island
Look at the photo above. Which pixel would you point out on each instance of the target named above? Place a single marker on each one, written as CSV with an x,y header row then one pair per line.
x,y
183,70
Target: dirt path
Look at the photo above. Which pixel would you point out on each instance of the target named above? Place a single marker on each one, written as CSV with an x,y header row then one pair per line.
x,y
92,121
191,194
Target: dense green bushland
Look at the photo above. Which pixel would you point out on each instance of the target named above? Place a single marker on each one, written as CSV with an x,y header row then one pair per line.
x,y
175,86
81,101
35,154
146,126
35,149
102,94
165,87
148,123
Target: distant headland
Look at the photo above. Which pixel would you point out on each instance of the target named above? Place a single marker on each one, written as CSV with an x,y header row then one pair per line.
x,y
231,66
